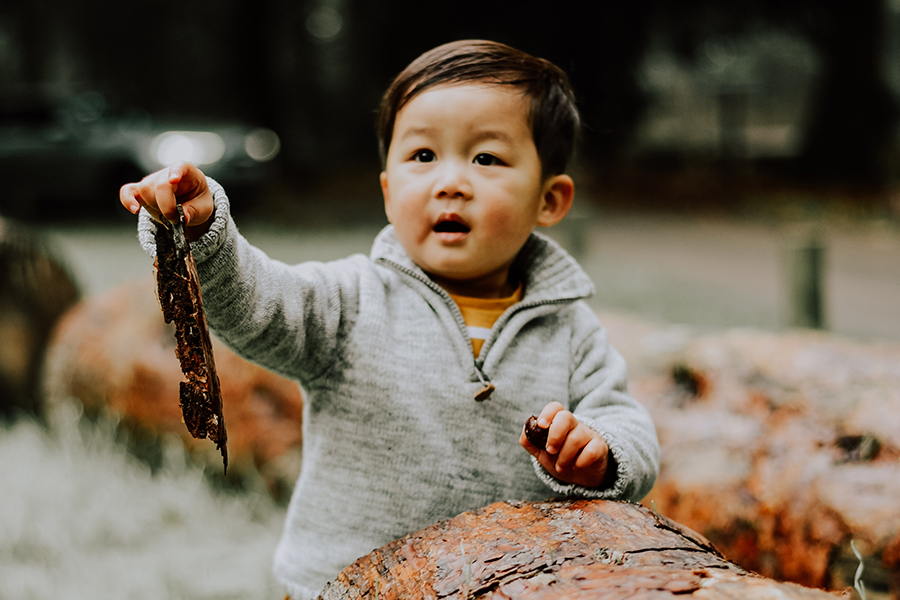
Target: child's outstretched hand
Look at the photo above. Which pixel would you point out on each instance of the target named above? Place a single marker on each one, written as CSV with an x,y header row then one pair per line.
x,y
575,453
181,183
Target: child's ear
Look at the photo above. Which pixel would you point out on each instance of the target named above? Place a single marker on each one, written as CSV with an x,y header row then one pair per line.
x,y
386,194
559,191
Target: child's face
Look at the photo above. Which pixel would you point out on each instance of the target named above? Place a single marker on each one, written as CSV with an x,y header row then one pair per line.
x,y
463,185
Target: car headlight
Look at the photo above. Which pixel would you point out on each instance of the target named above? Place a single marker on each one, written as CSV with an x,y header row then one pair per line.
x,y
262,144
196,147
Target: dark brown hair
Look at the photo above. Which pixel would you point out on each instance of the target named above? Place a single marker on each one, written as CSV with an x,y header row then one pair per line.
x,y
553,116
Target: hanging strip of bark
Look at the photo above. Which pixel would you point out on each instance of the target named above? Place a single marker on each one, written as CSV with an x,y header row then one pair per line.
x,y
178,290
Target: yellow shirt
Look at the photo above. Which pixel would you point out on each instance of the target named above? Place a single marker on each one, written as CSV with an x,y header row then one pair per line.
x,y
480,314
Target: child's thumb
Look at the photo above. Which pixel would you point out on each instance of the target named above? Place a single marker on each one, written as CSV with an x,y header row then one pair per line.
x,y
176,172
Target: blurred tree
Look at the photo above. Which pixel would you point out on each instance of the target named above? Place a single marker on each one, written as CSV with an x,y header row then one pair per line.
x,y
854,113
854,116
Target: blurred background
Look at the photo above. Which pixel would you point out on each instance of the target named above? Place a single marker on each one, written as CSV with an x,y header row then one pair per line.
x,y
764,93
740,167
774,115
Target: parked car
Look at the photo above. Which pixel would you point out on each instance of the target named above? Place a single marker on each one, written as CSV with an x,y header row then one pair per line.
x,y
60,157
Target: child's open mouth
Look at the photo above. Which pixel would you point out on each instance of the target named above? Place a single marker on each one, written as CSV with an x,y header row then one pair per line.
x,y
451,228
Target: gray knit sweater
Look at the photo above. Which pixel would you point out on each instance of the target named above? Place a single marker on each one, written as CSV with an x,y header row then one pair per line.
x,y
393,440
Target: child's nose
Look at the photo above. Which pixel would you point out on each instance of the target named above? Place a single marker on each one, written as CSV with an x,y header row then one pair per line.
x,y
452,181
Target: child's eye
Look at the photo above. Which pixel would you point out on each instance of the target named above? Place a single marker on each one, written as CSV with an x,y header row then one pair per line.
x,y
484,159
423,156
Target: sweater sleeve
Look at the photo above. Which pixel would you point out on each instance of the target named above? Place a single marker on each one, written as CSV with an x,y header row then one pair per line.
x,y
290,319
599,398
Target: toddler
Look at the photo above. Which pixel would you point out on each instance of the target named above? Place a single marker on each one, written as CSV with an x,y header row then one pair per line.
x,y
421,362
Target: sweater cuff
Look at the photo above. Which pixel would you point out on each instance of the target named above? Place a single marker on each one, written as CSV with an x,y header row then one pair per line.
x,y
208,243
619,484
213,239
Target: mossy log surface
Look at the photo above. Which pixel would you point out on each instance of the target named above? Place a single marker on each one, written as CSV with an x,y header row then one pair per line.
x,y
554,549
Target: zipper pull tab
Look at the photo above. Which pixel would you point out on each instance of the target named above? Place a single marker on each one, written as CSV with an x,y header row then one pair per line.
x,y
488,389
484,393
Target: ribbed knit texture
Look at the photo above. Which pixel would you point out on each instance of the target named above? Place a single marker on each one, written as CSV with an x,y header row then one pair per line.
x,y
392,438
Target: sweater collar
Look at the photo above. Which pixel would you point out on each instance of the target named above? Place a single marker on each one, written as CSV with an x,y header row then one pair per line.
x,y
548,272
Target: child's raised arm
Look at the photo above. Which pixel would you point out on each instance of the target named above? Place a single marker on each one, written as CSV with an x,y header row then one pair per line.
x,y
159,192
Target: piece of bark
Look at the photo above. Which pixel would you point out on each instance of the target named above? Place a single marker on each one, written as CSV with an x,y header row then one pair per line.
x,y
562,549
178,290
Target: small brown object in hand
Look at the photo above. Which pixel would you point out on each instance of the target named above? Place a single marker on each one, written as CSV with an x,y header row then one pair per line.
x,y
536,435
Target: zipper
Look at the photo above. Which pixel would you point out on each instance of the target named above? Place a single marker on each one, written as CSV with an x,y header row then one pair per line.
x,y
484,393
457,315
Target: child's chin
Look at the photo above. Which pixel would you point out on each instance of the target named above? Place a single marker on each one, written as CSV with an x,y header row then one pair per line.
x,y
451,237
449,271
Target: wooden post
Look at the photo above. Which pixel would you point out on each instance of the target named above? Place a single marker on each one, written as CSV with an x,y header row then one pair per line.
x,y
803,266
576,230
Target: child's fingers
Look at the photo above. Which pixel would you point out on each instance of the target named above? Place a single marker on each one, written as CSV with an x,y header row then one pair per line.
x,y
133,196
548,413
577,438
595,451
561,424
166,201
191,190
523,441
546,420
176,172
160,192
130,198
185,179
575,453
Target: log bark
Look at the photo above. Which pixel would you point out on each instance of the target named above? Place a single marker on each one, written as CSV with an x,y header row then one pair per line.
x,y
563,549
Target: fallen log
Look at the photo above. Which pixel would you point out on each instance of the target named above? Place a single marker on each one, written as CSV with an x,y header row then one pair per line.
x,y
783,449
114,355
36,289
564,549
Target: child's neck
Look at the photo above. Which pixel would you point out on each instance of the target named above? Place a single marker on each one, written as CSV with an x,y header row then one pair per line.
x,y
478,288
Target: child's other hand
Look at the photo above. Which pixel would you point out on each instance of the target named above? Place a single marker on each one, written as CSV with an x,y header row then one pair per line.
x,y
575,453
181,183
